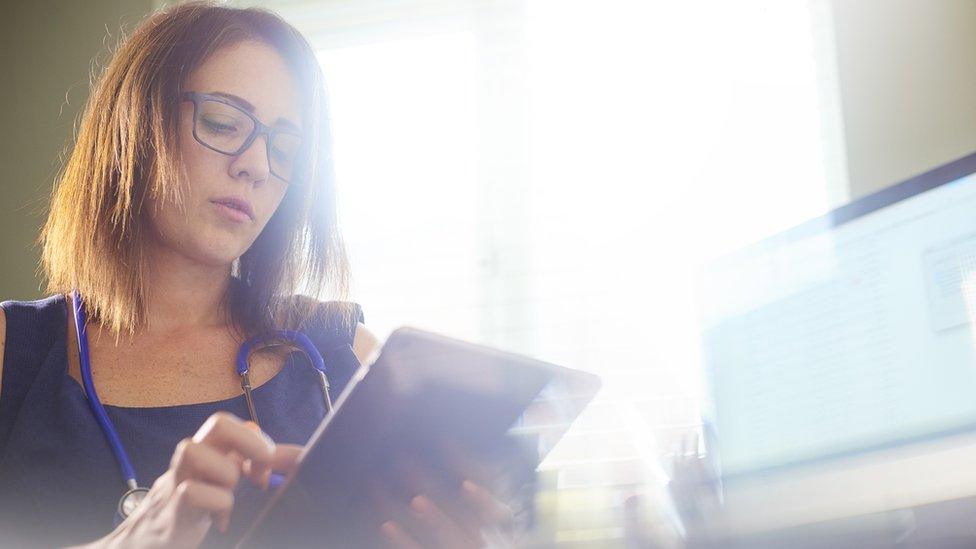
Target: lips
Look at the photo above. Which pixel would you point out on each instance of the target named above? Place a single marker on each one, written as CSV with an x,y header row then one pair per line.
x,y
236,203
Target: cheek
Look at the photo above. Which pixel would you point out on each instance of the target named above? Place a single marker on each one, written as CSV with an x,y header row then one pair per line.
x,y
199,163
164,220
272,201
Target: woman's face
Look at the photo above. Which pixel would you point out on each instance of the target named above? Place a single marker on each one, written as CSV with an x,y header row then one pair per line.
x,y
253,76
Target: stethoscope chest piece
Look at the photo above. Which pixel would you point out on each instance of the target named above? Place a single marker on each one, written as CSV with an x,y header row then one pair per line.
x,y
135,494
130,500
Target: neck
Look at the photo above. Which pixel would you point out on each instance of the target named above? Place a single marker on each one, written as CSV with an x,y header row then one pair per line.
x,y
185,294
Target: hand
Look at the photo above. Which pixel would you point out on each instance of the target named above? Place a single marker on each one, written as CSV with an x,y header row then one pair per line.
x,y
198,487
695,488
423,509
479,520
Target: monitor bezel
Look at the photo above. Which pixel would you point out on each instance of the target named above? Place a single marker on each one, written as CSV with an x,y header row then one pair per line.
x,y
856,209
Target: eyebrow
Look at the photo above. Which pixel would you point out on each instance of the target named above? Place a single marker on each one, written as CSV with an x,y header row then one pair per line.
x,y
244,104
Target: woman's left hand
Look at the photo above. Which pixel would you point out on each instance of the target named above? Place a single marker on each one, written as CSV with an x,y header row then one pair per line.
x,y
478,519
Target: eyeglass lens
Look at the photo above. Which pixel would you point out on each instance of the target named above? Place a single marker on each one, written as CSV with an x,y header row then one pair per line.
x,y
226,129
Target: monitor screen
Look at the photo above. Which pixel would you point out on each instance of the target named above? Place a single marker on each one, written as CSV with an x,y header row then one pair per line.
x,y
851,332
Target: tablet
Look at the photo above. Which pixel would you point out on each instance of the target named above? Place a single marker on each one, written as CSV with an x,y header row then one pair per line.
x,y
430,411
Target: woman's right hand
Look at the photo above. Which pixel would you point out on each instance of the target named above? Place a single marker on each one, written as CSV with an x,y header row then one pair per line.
x,y
198,488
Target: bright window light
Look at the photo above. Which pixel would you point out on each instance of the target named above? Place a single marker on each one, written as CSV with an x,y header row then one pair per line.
x,y
549,177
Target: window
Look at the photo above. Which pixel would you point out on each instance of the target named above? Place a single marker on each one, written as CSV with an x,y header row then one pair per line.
x,y
545,176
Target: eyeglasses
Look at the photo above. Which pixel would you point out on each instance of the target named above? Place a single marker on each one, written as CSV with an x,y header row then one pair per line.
x,y
222,126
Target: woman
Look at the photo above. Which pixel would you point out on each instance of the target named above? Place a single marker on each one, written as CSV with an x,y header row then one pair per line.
x,y
196,202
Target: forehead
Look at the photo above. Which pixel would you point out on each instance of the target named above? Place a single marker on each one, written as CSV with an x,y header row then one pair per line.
x,y
255,72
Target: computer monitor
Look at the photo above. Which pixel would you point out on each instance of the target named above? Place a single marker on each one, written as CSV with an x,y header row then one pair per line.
x,y
843,347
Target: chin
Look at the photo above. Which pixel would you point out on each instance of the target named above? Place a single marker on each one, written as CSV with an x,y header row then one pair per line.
x,y
217,255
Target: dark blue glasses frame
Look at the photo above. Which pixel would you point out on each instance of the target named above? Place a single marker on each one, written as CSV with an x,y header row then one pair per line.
x,y
260,128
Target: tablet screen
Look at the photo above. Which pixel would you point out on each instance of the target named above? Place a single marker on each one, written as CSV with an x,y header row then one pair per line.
x,y
428,413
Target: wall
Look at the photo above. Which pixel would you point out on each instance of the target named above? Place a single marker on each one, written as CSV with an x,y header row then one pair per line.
x,y
46,51
907,71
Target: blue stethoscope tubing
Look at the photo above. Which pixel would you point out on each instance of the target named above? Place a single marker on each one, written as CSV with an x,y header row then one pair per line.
x,y
134,493
288,338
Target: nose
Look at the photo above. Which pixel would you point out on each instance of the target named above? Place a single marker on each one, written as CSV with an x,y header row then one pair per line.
x,y
252,163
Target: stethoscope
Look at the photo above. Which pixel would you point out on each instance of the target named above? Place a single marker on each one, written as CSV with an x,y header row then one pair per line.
x,y
135,494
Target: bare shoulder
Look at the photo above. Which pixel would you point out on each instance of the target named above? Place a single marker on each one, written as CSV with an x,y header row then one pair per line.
x,y
3,339
365,344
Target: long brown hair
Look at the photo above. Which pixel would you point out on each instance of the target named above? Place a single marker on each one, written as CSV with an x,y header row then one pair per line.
x,y
127,150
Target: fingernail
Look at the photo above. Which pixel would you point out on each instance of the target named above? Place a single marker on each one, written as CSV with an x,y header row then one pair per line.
x,y
469,487
257,429
419,504
389,530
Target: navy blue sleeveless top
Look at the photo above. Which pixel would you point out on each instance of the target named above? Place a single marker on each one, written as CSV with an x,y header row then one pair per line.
x,y
59,480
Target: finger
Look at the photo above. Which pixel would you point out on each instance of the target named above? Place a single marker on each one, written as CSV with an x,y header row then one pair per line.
x,y
493,467
235,457
420,479
497,527
192,460
285,459
255,474
284,463
490,510
228,433
403,527
462,461
244,466
395,513
478,466
445,531
196,500
258,476
385,504
397,537
262,472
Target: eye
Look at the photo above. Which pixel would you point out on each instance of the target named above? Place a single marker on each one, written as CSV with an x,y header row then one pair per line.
x,y
217,126
279,154
284,148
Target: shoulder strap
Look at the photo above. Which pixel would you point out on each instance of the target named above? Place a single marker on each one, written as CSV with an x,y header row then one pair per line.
x,y
33,328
